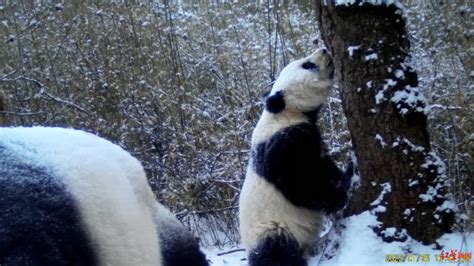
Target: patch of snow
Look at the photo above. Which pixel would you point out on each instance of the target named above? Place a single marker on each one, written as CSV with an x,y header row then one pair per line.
x,y
380,97
372,2
407,212
372,56
351,49
59,6
386,188
327,227
399,74
379,208
412,97
360,246
219,257
380,139
430,194
369,84
389,83
390,231
432,159
447,205
412,146
412,183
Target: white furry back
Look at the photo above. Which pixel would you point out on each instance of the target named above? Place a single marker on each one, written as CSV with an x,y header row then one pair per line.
x,y
114,198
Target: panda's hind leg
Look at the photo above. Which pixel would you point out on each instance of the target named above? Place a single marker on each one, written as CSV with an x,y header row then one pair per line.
x,y
277,247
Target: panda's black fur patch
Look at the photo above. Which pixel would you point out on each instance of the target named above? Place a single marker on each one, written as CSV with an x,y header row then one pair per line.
x,y
277,249
182,250
275,103
292,160
309,66
39,221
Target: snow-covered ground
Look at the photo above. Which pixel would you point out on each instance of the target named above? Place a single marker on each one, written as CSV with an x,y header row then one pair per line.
x,y
360,246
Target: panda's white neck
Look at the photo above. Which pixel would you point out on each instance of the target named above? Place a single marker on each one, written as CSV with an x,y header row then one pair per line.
x,y
270,123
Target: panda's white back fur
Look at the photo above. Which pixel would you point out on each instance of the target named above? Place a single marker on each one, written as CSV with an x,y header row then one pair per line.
x,y
114,198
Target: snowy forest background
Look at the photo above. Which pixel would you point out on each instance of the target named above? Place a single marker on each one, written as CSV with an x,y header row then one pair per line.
x,y
179,86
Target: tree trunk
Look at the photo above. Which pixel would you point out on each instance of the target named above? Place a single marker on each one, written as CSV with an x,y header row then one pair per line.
x,y
403,182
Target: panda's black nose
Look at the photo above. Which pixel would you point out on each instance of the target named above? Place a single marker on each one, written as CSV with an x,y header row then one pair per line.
x,y
324,51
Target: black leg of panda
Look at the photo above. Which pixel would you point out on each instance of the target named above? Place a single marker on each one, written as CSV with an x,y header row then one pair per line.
x,y
185,257
277,248
181,250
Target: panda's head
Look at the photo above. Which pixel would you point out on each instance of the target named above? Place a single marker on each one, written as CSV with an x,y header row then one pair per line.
x,y
302,85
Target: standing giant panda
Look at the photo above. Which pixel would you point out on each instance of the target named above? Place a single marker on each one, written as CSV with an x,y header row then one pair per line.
x,y
71,198
290,183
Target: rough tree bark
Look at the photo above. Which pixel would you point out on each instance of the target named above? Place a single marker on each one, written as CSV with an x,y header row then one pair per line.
x,y
403,182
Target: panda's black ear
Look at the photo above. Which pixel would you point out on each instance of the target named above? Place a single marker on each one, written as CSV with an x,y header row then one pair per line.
x,y
275,103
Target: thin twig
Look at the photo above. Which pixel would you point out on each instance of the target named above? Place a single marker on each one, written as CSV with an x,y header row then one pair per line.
x,y
230,251
206,211
43,92
5,76
20,114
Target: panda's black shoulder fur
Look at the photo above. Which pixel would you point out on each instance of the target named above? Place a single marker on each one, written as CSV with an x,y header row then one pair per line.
x,y
275,103
293,161
39,224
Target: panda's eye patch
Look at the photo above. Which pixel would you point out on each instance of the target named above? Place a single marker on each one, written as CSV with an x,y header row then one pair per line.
x,y
309,66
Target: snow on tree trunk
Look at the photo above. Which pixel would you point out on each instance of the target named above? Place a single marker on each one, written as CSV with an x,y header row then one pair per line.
x,y
403,181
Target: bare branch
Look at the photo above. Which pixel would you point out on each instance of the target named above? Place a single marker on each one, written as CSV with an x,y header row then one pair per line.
x,y
45,94
230,251
20,114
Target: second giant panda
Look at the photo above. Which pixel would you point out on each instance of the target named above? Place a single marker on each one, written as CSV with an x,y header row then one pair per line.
x,y
71,198
291,183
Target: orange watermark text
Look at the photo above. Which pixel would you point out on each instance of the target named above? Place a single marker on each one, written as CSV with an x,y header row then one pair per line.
x,y
453,255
